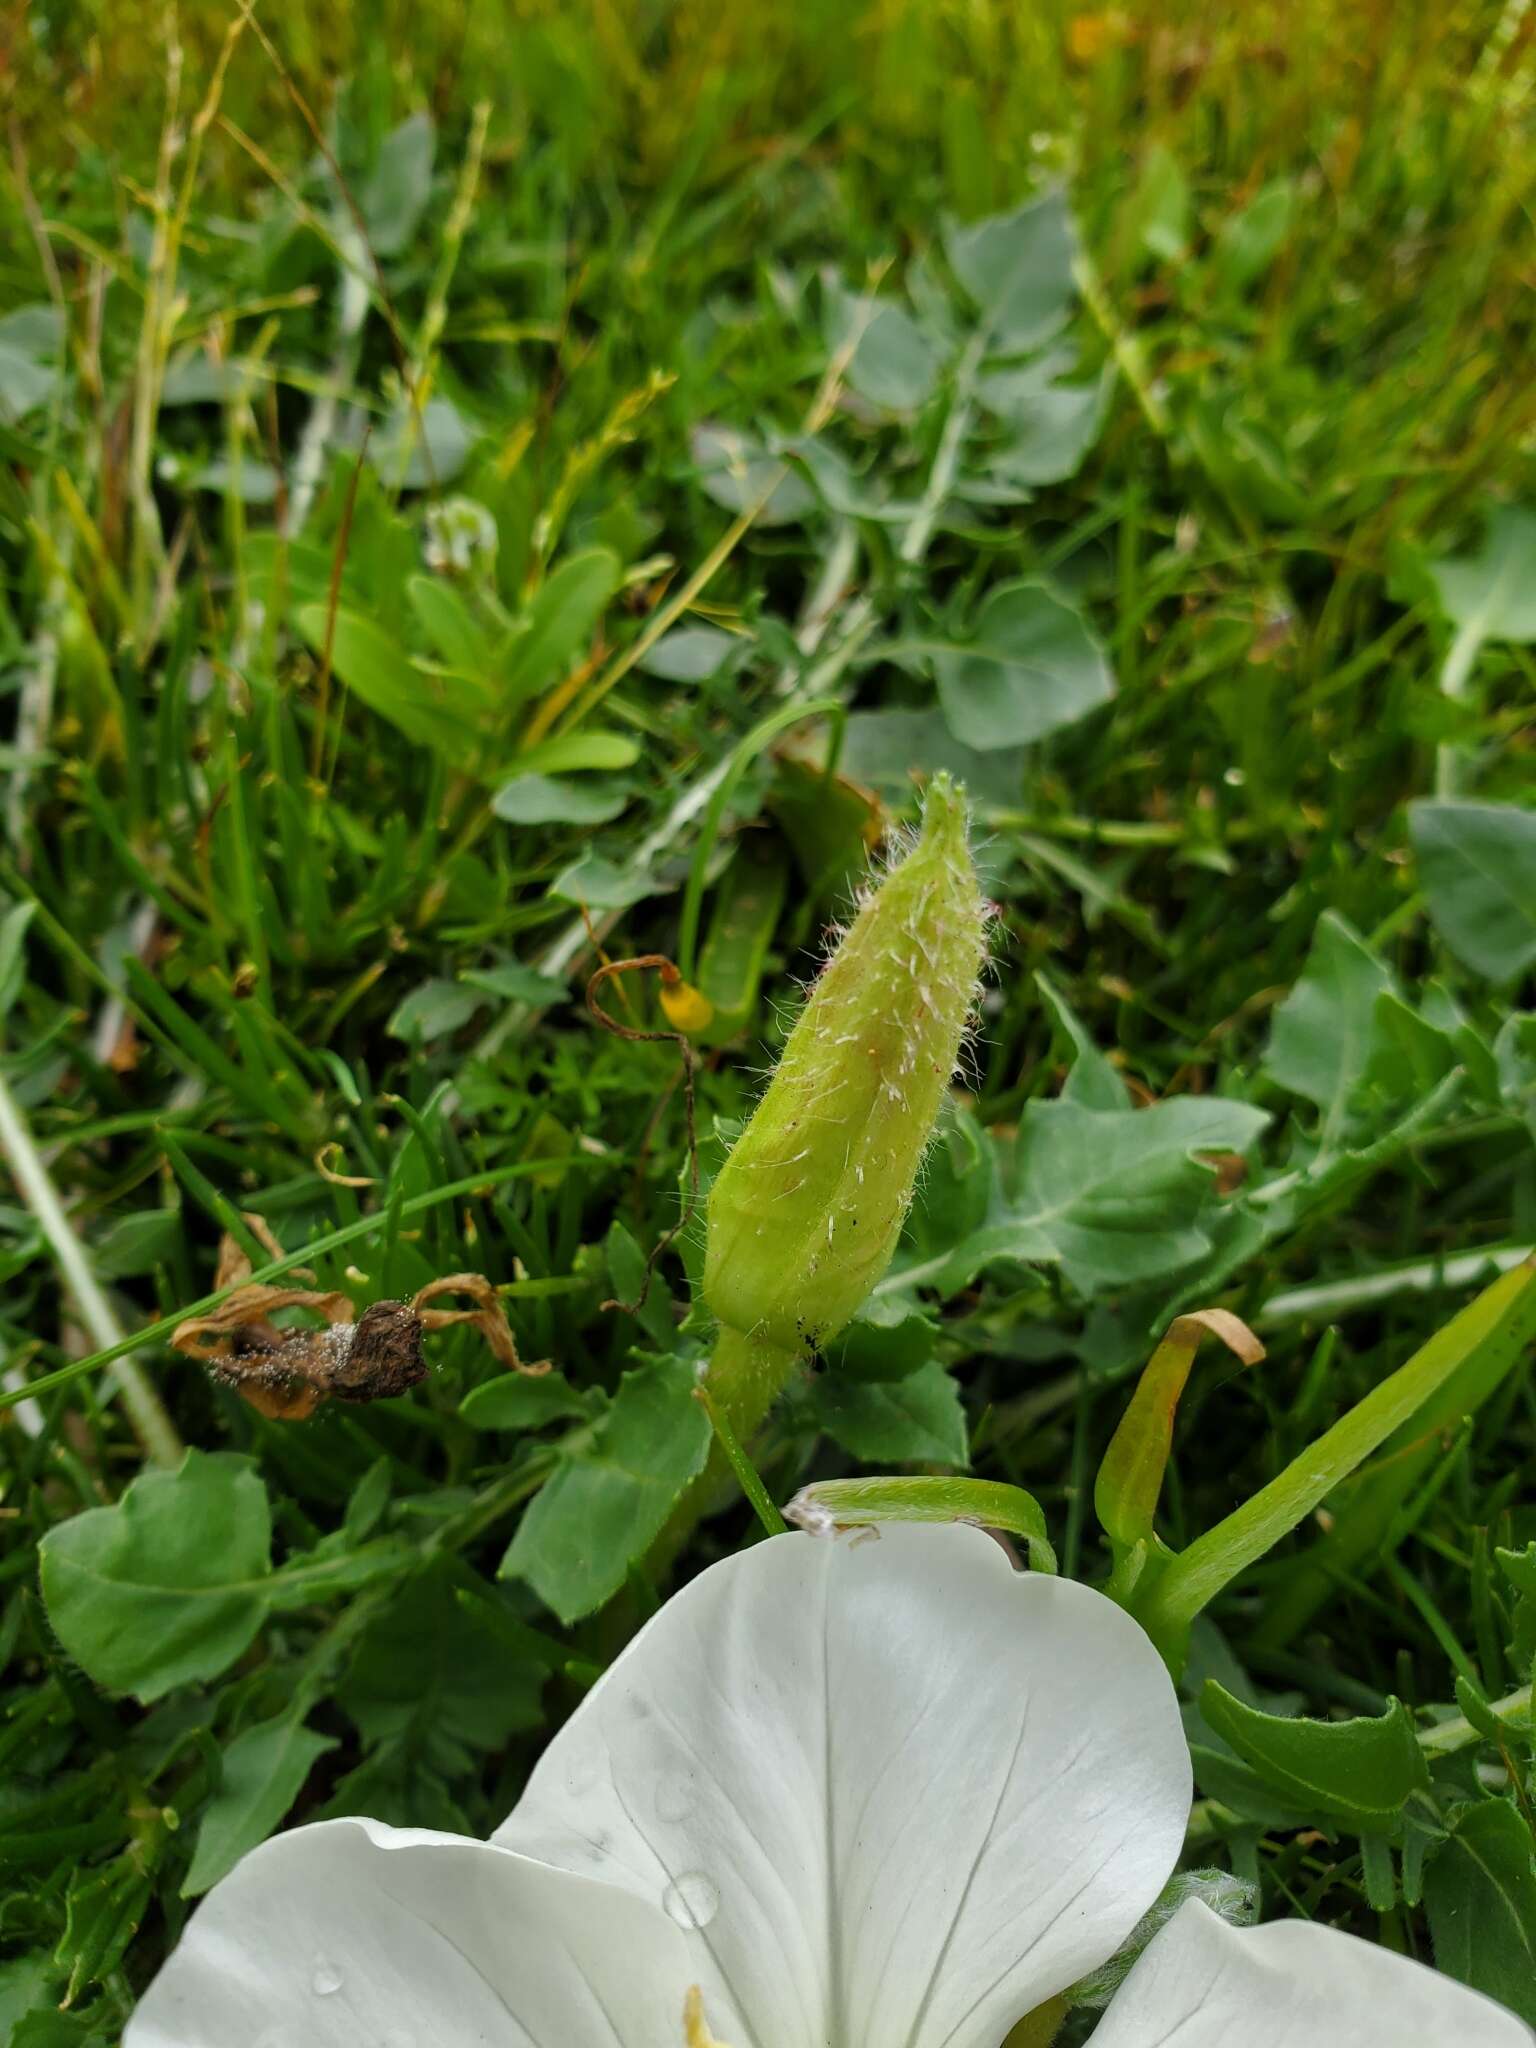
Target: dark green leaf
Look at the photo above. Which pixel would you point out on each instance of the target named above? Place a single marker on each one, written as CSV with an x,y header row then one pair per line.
x,y
889,1339
28,1983
445,1669
136,1243
522,1401
264,1772
918,1420
1480,1892
1360,1772
627,1272
606,1504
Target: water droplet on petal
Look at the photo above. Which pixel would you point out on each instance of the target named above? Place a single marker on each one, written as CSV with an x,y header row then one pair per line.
x,y
324,1978
692,1900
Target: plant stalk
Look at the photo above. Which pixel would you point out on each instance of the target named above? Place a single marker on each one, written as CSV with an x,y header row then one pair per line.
x,y
153,1427
745,1377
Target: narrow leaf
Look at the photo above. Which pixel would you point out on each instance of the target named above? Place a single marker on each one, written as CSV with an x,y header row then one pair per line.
x,y
1131,1475
834,1504
1469,1355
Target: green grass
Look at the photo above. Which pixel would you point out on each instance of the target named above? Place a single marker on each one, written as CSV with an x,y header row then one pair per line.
x,y
1308,249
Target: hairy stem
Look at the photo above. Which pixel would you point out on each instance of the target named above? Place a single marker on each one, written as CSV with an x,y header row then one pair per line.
x,y
745,1378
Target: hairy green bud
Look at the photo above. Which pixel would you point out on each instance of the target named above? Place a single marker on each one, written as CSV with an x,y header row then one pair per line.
x,y
806,1211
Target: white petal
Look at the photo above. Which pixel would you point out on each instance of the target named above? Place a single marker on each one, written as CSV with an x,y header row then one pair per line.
x,y
350,1934
1203,1984
906,1792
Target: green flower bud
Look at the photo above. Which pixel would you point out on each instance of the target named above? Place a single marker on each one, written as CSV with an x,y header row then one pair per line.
x,y
806,1211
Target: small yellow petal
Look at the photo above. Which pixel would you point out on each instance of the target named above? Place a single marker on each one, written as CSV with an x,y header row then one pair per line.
x,y
687,1008
695,2026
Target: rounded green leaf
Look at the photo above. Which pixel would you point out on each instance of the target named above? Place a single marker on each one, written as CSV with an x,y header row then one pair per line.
x,y
1029,666
170,1585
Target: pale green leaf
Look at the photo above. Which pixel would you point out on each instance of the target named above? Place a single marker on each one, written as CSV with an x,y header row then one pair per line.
x,y
1478,862
395,196
557,800
739,473
1029,665
1324,1033
893,363
1017,267
1491,593
436,711
434,1010
602,884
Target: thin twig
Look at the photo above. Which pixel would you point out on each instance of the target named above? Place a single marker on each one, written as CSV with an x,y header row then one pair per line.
x,y
670,978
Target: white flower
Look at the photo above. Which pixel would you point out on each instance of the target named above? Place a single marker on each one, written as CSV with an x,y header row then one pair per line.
x,y
880,1792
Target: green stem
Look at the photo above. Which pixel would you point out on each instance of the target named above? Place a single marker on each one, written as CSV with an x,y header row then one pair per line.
x,y
748,1478
1326,1299
745,1378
